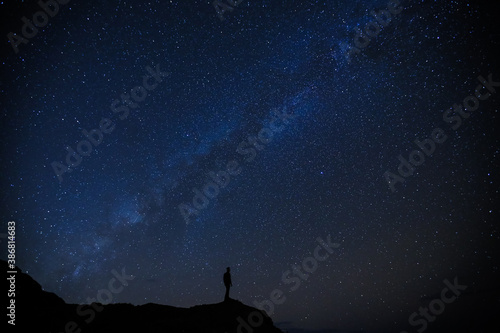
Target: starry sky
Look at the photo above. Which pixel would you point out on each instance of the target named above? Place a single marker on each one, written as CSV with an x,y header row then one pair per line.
x,y
341,123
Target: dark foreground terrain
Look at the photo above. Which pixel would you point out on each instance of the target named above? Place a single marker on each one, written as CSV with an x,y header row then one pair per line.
x,y
40,311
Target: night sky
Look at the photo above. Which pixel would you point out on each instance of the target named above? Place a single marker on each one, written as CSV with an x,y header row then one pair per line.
x,y
300,130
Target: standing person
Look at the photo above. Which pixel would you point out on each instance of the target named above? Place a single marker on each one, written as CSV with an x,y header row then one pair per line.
x,y
227,283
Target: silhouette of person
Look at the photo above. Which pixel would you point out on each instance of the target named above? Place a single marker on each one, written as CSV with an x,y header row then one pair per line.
x,y
227,283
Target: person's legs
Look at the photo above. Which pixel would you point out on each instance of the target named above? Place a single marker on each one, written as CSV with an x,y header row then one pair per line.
x,y
226,297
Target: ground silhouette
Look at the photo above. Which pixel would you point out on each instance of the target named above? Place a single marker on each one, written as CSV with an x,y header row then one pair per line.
x,y
41,311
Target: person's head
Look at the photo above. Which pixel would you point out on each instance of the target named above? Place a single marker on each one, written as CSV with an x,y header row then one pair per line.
x,y
228,269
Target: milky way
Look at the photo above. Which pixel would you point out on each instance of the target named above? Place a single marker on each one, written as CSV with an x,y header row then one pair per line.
x,y
293,119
